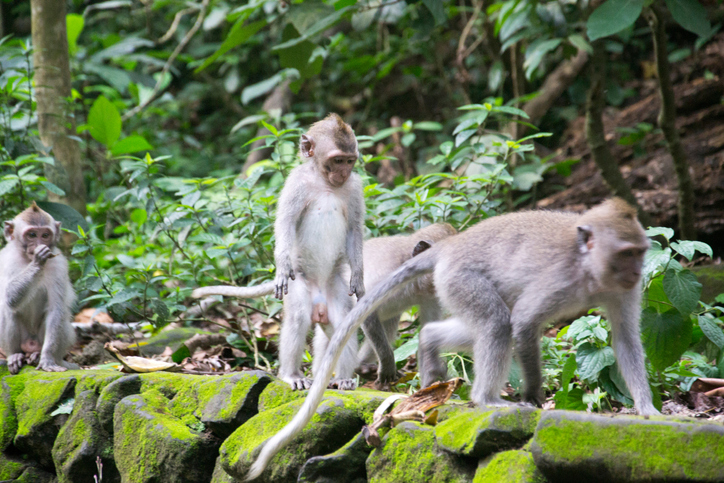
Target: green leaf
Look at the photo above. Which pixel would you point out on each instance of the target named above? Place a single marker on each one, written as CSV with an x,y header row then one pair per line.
x,y
691,15
131,144
407,349
7,185
68,216
612,17
66,407
139,216
340,4
428,126
259,89
181,353
318,27
688,248
711,330
105,122
297,56
682,289
657,298
437,10
534,55
580,43
667,233
665,336
569,370
73,27
238,34
591,360
53,188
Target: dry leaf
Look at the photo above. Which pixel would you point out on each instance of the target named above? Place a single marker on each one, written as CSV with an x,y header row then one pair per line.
x,y
140,364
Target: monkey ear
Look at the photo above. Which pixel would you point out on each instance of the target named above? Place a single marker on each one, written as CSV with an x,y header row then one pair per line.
x,y
306,144
585,238
57,231
8,230
421,246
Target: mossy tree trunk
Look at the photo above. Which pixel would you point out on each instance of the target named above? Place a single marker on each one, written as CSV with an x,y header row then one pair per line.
x,y
667,123
596,135
52,89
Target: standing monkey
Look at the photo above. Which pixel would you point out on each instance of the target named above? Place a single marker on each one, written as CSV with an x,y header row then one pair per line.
x,y
35,292
502,280
381,257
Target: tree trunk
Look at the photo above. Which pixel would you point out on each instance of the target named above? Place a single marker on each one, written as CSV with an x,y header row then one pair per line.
x,y
667,123
55,119
596,135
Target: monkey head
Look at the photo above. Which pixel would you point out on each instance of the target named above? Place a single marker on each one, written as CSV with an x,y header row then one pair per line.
x,y
611,235
31,228
332,145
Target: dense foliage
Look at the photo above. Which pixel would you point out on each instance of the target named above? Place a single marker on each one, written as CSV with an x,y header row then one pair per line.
x,y
167,113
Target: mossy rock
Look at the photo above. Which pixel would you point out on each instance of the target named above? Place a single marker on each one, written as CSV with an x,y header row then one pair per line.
x,y
36,475
37,428
572,446
278,393
338,419
8,419
515,466
409,453
347,464
221,476
151,445
227,402
479,433
11,468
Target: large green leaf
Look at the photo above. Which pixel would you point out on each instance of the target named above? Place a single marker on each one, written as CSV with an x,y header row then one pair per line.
x,y
437,9
711,330
318,27
665,336
691,15
105,122
407,349
238,34
65,214
73,27
298,56
612,17
131,144
682,289
591,360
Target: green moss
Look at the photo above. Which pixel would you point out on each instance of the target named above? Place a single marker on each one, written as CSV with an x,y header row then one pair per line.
x,y
409,454
277,394
479,433
10,468
514,466
39,398
656,448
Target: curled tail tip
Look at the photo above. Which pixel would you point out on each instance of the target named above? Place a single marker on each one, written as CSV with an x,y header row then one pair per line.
x,y
197,293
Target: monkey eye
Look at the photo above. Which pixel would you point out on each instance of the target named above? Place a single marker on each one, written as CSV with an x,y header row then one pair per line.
x,y
338,160
45,235
32,234
350,161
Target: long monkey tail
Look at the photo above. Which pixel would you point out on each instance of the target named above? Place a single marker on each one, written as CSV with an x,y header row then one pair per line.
x,y
383,291
229,291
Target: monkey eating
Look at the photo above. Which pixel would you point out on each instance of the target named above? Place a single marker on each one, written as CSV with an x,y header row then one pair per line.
x,y
381,257
35,293
502,280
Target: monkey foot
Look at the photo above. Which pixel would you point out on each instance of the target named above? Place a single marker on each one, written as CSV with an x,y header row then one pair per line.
x,y
494,403
51,367
343,384
15,362
384,382
300,383
32,359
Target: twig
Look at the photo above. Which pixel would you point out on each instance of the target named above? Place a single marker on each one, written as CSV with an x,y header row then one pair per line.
x,y
167,65
174,25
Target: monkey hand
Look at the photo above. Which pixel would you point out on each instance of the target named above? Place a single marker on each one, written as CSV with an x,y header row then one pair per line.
x,y
49,365
33,358
41,255
282,281
356,287
15,362
343,384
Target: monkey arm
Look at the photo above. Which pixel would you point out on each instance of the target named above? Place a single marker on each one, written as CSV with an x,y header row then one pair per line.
x,y
355,239
291,207
21,285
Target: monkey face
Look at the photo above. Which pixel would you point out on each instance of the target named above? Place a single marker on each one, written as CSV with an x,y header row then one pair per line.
x,y
337,169
37,235
626,265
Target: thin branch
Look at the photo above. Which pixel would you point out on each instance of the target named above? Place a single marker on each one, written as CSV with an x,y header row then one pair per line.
x,y
174,25
167,66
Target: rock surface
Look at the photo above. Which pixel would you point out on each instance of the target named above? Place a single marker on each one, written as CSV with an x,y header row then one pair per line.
x,y
164,427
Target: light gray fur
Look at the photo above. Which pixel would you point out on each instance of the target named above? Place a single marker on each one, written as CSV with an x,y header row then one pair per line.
x,y
229,291
35,303
501,281
318,233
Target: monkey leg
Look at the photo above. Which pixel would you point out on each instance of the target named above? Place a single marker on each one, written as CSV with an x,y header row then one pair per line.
x,y
56,337
293,334
377,339
436,337
12,335
623,314
475,301
527,336
339,304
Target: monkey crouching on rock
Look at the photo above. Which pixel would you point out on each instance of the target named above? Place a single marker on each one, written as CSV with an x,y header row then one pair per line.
x,y
502,280
35,293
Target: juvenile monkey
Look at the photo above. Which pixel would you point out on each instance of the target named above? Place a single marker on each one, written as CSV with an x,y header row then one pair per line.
x,y
381,257
502,280
35,293
318,233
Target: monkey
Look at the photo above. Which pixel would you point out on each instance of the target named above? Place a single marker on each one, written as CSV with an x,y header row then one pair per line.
x,y
35,293
502,280
318,232
381,256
